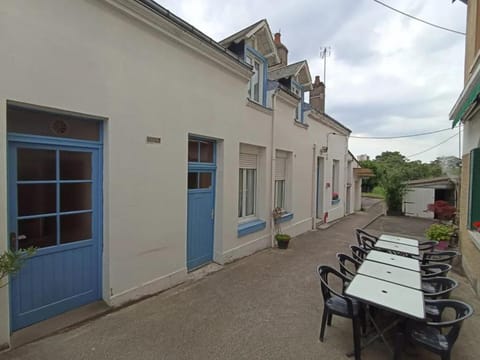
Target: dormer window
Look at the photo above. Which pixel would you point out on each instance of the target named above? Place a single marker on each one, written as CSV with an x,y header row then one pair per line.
x,y
256,85
298,90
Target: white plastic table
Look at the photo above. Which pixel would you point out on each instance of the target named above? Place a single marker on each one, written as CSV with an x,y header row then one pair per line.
x,y
406,249
399,240
393,274
395,260
393,297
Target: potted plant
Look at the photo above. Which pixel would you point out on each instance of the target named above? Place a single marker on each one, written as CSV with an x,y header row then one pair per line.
x,y
11,262
282,239
441,233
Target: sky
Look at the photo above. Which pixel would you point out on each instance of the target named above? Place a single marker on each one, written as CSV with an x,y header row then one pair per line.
x,y
387,74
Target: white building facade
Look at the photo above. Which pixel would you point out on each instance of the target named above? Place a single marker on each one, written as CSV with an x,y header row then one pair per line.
x,y
135,149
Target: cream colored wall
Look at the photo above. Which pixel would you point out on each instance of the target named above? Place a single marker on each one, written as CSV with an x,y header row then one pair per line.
x,y
91,58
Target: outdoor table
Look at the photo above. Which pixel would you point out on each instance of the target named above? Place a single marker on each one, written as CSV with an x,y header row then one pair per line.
x,y
405,249
389,296
393,274
399,240
395,260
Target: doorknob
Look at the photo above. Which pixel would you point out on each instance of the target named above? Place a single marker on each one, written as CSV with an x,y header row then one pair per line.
x,y
14,239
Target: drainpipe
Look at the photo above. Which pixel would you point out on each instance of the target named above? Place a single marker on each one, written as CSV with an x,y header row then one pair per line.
x,y
272,169
314,193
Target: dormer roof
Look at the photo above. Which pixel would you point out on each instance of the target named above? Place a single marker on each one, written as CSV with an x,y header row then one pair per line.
x,y
298,70
258,35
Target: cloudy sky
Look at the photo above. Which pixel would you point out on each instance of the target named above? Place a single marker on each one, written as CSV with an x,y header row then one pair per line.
x,y
387,75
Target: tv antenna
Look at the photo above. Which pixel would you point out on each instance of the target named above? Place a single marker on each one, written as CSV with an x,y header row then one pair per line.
x,y
324,53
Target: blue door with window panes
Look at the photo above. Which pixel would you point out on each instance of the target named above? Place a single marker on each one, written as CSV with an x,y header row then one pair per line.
x,y
201,202
54,206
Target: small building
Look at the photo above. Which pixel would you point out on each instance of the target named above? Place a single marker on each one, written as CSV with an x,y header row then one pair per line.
x,y
421,193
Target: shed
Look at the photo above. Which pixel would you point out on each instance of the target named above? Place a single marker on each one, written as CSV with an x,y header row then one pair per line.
x,y
420,193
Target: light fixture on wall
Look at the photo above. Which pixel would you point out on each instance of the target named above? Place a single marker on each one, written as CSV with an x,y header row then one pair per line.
x,y
323,149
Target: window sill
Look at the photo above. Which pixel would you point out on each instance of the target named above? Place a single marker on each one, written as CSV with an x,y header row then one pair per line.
x,y
475,237
258,106
300,124
336,202
250,227
287,216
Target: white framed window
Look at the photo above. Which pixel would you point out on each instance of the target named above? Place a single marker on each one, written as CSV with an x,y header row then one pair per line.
x,y
280,180
297,90
247,185
255,85
335,179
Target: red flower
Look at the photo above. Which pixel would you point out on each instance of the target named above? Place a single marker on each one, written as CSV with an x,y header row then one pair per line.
x,y
476,224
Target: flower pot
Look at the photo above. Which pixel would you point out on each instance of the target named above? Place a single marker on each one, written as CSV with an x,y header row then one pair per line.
x,y
282,240
283,244
442,245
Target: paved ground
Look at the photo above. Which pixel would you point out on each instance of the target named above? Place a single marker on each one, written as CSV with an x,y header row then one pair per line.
x,y
266,306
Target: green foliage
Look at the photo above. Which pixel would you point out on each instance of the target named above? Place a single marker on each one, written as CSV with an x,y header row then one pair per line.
x,y
379,191
440,232
392,170
12,261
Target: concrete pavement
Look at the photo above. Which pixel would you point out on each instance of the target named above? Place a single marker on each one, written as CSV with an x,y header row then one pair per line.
x,y
266,306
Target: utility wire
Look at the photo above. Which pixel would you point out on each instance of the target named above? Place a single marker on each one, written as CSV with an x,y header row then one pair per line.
x,y
432,147
418,19
400,136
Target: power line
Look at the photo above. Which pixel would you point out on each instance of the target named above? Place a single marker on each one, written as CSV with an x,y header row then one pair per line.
x,y
418,19
432,147
400,136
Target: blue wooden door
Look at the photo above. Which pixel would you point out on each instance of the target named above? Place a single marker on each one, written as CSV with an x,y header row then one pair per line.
x,y
201,200
54,205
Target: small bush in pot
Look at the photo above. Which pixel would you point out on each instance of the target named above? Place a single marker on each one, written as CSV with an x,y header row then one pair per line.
x,y
441,233
282,239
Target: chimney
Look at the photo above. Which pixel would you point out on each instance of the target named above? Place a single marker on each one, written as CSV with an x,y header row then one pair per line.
x,y
317,95
281,49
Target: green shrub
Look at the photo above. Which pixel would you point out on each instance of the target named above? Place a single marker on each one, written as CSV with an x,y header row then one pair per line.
x,y
440,232
12,261
378,190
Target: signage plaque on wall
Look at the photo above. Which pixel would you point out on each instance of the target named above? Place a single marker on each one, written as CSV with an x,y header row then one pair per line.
x,y
153,140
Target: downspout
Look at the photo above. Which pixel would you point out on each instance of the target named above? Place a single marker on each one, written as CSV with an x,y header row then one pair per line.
x,y
272,169
314,193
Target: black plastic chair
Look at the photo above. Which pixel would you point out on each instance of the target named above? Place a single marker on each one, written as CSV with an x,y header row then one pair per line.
x,y
439,257
346,264
440,335
365,240
358,253
338,304
427,245
434,270
438,287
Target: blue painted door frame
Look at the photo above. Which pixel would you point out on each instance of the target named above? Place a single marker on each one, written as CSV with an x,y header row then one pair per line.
x,y
65,272
200,215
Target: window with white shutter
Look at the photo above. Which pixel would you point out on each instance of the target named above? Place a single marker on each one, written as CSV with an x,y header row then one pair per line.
x,y
247,185
280,179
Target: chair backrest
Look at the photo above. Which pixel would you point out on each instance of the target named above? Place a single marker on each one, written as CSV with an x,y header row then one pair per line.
x,y
358,253
365,240
348,265
439,256
427,245
441,287
325,272
435,270
462,311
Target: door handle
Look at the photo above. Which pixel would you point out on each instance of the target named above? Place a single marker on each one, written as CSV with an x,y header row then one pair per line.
x,y
14,239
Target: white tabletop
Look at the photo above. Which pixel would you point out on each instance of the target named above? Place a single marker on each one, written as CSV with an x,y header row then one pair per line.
x,y
394,260
412,250
399,240
393,297
391,273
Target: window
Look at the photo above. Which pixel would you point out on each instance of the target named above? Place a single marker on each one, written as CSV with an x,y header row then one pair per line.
x,y
256,85
247,186
297,90
335,180
474,201
280,179
200,151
